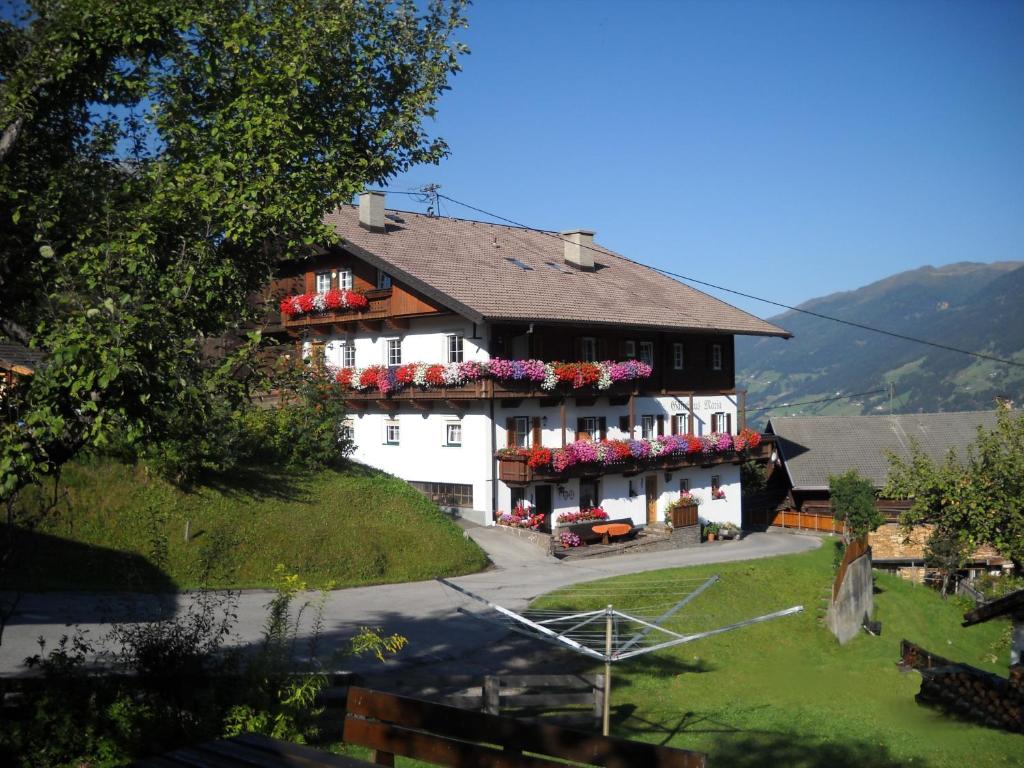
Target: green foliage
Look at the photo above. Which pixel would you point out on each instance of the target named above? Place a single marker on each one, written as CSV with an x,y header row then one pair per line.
x,y
753,476
158,159
946,551
853,502
980,499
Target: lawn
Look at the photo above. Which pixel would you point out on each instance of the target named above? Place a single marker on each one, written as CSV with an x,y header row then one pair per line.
x,y
783,692
118,527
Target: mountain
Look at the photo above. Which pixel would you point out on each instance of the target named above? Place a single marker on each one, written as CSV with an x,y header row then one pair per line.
x,y
978,307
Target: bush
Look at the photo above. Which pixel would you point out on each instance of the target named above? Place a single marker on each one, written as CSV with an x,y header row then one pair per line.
x,y
853,502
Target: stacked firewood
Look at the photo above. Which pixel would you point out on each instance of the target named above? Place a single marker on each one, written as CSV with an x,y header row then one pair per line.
x,y
974,695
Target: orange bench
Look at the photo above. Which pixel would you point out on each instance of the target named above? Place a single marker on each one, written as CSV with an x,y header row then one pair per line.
x,y
612,529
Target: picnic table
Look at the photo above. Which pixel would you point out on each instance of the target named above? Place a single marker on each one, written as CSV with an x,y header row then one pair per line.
x,y
609,530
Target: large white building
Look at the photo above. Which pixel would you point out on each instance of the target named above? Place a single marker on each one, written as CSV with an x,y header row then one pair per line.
x,y
408,302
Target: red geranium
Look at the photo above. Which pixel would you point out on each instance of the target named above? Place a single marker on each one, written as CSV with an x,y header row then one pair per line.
x,y
344,377
435,375
586,375
752,438
693,444
564,371
539,457
370,376
406,373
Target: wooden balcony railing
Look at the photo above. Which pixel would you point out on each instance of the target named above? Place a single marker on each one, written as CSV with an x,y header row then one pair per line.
x,y
513,470
379,309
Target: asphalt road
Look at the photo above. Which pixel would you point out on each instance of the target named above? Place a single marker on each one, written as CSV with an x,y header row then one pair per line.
x,y
424,612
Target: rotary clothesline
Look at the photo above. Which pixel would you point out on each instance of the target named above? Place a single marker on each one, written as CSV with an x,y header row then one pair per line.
x,y
605,634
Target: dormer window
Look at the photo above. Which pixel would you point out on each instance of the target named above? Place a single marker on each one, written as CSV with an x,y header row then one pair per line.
x,y
345,279
629,350
678,359
323,282
383,280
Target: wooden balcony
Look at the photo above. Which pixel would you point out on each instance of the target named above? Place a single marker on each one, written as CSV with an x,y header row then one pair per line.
x,y
513,470
387,309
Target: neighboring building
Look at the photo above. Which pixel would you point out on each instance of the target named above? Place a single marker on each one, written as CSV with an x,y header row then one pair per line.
x,y
810,449
451,292
16,361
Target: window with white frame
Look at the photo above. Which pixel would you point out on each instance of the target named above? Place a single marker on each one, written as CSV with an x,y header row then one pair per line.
x,y
588,428
391,433
345,279
348,354
518,432
323,281
629,349
647,427
453,433
647,352
680,423
383,279
393,351
588,348
721,422
684,485
347,431
716,357
455,346
678,359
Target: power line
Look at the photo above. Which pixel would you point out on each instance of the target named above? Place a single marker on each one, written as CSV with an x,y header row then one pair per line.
x,y
812,402
851,323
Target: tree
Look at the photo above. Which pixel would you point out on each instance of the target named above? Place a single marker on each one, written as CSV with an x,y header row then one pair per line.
x,y
158,158
980,499
853,502
946,551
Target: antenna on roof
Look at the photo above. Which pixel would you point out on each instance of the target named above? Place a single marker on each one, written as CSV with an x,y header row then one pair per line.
x,y
429,193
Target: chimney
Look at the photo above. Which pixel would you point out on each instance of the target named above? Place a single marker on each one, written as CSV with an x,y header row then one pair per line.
x,y
579,244
371,211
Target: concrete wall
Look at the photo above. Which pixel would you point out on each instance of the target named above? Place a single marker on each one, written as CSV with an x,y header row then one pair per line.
x,y
854,602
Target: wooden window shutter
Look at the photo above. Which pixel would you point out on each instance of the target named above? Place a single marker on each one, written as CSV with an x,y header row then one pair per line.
x,y
714,422
708,359
536,441
510,432
603,427
661,425
675,424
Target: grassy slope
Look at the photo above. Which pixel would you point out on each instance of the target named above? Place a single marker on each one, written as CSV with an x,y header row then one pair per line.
x,y
351,527
783,692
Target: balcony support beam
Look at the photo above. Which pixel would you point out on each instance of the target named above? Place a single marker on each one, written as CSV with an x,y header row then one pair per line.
x,y
561,413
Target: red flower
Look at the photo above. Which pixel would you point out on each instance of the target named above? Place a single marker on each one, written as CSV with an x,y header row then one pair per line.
x,y
334,298
406,373
357,300
539,457
586,375
693,444
305,302
369,377
565,371
435,375
344,377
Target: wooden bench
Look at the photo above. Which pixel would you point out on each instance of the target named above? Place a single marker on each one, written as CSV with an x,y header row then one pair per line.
x,y
608,530
434,733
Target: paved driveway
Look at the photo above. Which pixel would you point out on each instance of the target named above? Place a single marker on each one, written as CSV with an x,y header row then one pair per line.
x,y
425,612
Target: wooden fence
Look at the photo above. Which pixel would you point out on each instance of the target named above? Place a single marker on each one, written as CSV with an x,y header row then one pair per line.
x,y
818,522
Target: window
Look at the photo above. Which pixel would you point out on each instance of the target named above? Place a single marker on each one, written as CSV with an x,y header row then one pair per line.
x,y
394,351
716,357
588,428
345,279
588,348
680,424
677,356
589,496
716,487
518,429
721,422
647,427
446,494
647,352
383,279
453,433
347,431
455,343
629,350
391,433
624,424
323,281
684,485
348,354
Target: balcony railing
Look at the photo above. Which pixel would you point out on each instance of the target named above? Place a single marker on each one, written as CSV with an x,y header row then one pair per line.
x,y
514,470
379,309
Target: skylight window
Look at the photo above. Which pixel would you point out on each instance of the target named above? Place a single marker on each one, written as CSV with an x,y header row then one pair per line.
x,y
556,267
518,263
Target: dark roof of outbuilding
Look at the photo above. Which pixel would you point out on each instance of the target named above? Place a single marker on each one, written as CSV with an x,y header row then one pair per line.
x,y
814,447
470,266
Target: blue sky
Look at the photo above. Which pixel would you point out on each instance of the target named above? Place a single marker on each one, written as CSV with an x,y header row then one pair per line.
x,y
786,149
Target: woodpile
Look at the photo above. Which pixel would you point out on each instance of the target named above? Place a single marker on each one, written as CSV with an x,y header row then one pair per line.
x,y
974,695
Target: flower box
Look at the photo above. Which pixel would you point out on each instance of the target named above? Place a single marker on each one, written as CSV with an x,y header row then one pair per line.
x,y
684,516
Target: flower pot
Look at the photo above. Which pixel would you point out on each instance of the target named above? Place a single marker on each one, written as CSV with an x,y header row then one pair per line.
x,y
711,537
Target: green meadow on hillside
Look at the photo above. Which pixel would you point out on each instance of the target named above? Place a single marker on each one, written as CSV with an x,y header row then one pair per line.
x,y
783,692
118,527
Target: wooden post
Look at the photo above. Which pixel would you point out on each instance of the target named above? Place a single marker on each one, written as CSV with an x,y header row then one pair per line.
x,y
188,530
742,410
492,695
691,426
606,712
632,414
561,411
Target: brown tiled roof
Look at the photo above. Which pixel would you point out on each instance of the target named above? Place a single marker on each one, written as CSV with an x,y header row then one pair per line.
x,y
14,355
468,266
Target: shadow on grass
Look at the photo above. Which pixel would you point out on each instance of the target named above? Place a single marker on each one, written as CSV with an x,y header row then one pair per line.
x,y
746,751
256,481
43,562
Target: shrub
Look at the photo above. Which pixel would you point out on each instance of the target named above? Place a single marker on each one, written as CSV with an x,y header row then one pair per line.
x,y
853,502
